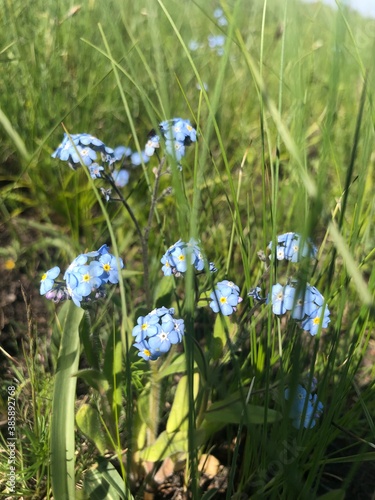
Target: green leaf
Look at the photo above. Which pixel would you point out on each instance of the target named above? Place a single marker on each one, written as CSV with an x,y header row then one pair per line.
x,y
165,446
168,445
91,345
231,413
333,495
94,379
113,371
88,421
62,423
210,494
178,365
105,483
163,291
178,417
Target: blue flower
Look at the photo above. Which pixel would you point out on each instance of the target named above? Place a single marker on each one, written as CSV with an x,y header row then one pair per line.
x,y
137,158
166,335
120,177
212,267
102,250
48,279
85,279
282,298
95,170
255,293
121,151
177,133
194,45
178,259
221,19
225,298
307,300
175,149
167,268
147,327
215,41
180,254
290,246
161,311
88,279
87,147
303,403
152,144
108,265
77,262
316,320
156,332
145,351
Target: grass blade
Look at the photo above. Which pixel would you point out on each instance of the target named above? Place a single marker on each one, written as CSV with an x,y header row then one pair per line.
x,y
62,425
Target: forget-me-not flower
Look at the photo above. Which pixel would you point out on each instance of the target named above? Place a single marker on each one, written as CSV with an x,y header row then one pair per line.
x,y
156,332
48,279
85,278
305,408
291,246
180,255
225,298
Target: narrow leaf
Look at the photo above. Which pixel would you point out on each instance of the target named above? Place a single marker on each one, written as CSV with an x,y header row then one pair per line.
x,y
62,424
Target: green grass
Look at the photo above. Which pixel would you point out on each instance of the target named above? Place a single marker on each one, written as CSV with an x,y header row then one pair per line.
x,y
286,141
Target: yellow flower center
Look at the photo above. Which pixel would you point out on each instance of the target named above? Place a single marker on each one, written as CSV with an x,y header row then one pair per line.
x,y
144,326
86,278
107,267
316,320
44,277
223,300
147,352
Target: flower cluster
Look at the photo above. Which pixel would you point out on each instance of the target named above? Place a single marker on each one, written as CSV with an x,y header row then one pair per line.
x,y
217,42
306,304
94,154
305,408
177,134
85,279
291,246
225,298
176,258
83,147
156,332
219,15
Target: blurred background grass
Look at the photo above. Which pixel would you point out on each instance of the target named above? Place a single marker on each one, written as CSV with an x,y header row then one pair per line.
x,y
313,62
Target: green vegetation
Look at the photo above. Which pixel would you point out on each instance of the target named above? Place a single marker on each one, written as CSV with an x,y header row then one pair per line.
x,y
285,121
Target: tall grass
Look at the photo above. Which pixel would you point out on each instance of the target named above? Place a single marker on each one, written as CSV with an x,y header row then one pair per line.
x,y
286,143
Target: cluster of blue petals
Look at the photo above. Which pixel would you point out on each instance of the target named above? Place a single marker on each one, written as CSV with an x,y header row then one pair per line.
x,y
220,17
99,158
225,298
85,279
305,408
305,303
177,133
180,254
83,147
291,246
156,332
